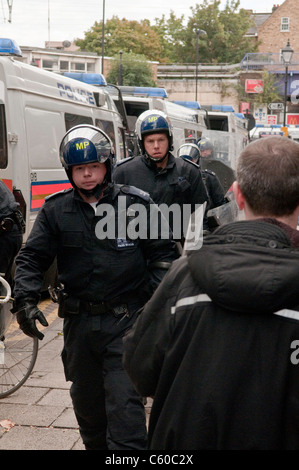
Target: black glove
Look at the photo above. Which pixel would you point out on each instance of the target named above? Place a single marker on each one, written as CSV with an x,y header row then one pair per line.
x,y
27,313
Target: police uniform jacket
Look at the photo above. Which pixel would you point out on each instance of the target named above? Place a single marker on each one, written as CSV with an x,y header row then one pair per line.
x,y
218,343
90,268
179,182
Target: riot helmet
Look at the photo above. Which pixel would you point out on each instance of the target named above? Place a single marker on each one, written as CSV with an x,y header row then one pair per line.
x,y
84,144
206,148
152,122
189,151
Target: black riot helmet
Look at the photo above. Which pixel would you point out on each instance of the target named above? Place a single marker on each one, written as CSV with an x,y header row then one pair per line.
x,y
205,145
189,152
84,144
152,122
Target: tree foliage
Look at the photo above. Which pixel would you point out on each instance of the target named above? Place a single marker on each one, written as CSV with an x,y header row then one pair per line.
x,y
174,39
132,70
123,35
225,40
171,35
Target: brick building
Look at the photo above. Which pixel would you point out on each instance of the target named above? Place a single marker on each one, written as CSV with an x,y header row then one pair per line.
x,y
280,26
273,31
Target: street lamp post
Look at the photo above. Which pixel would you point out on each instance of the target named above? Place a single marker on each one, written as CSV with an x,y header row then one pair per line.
x,y
198,33
120,69
103,37
286,53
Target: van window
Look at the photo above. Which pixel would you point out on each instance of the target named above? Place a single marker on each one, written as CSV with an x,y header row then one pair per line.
x,y
3,139
47,125
136,108
192,135
218,123
107,127
72,120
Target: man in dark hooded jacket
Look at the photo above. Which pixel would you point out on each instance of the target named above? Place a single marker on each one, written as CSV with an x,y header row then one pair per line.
x,y
217,346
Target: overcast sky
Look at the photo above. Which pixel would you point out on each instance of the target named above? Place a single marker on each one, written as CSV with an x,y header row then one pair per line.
x,y
35,21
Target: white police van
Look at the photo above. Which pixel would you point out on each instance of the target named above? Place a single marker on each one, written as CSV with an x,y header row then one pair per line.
x,y
37,107
261,130
188,124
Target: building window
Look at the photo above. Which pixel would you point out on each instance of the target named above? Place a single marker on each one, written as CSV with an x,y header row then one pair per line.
x,y
78,66
90,67
64,65
285,24
50,64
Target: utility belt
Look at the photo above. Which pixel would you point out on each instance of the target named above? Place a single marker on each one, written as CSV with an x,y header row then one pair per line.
x,y
7,223
74,306
119,306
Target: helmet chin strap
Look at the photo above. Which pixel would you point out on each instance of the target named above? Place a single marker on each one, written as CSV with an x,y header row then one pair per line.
x,y
94,192
156,160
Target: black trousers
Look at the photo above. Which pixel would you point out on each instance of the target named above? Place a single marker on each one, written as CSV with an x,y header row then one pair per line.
x,y
10,244
109,412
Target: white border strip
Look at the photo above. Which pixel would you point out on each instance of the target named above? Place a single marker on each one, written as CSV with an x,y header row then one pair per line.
x,y
294,314
190,301
285,312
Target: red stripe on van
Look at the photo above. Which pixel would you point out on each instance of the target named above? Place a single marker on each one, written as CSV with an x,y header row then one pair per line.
x,y
39,191
8,183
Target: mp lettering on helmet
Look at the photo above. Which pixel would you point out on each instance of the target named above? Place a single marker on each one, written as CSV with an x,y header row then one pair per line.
x,y
82,145
153,118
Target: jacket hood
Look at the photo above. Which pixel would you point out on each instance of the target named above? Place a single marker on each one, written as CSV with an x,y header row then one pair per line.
x,y
248,266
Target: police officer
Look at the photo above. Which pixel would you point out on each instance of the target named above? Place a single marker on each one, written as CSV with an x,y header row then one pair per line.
x,y
104,280
167,179
11,231
206,148
213,186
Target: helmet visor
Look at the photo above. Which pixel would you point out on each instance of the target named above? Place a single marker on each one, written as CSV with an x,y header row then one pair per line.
x,y
150,122
190,151
83,145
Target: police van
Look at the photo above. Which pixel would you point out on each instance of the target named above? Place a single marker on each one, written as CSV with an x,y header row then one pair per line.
x,y
261,130
228,131
37,107
188,124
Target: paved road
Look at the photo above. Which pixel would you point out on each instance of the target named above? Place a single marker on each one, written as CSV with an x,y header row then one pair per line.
x,y
40,413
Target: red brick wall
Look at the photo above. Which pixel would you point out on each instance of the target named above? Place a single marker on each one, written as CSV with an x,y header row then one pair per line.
x,y
273,39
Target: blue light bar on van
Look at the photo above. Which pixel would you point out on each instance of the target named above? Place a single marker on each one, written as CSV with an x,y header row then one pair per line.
x,y
188,104
153,92
224,108
240,115
9,47
95,79
270,125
